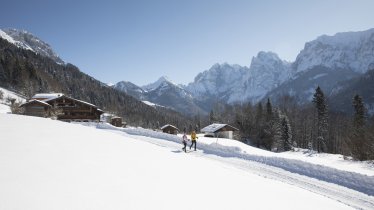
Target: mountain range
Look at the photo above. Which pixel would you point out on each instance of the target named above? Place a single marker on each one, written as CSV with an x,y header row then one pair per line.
x,y
327,61
332,62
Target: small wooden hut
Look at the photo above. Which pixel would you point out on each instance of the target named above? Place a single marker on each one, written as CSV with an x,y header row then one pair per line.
x,y
170,129
116,121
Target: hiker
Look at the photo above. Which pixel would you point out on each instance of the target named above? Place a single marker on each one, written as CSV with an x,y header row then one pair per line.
x,y
193,139
184,141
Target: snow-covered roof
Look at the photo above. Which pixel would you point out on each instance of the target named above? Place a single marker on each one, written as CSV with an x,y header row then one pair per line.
x,y
89,104
216,127
47,96
168,125
80,101
36,101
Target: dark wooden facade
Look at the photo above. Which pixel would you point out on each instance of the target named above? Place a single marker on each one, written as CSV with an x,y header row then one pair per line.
x,y
116,121
75,110
66,109
37,108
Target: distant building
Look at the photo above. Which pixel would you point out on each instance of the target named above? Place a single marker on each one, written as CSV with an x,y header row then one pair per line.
x,y
219,130
117,121
65,108
170,129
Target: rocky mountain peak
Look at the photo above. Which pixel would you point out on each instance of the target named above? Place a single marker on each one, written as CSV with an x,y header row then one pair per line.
x,y
164,80
348,50
28,41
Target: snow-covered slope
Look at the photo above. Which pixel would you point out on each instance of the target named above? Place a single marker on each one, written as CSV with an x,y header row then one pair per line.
x,y
28,41
348,50
130,88
7,97
89,168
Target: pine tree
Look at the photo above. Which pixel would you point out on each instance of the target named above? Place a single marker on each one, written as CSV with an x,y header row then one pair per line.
x,y
269,111
268,127
282,133
358,141
286,133
211,117
359,115
259,125
321,119
277,145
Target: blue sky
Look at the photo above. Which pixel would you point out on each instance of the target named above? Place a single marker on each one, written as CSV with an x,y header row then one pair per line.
x,y
139,41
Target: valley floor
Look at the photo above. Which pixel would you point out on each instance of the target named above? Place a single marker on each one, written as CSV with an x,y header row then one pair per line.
x,y
47,164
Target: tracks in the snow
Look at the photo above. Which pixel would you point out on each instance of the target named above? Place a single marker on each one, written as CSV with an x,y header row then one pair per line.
x,y
333,191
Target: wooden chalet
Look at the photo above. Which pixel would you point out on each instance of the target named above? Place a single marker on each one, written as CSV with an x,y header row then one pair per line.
x,y
66,108
219,130
170,129
37,108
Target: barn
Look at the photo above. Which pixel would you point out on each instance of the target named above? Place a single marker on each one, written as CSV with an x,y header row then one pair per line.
x,y
219,130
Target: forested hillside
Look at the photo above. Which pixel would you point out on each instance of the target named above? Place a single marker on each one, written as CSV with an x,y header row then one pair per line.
x,y
28,73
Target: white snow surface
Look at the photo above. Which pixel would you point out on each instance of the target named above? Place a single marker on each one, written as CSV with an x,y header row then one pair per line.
x,y
47,96
7,94
152,104
48,164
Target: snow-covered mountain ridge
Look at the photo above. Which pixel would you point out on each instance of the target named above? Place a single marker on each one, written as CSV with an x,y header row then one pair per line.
x,y
349,50
163,93
28,41
324,61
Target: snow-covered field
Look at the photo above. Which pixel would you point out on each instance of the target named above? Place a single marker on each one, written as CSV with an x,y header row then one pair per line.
x,y
48,164
5,104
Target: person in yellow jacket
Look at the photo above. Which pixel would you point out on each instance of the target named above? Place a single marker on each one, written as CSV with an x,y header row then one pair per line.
x,y
193,139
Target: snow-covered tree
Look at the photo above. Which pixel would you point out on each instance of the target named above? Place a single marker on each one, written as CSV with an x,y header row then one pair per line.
x,y
282,139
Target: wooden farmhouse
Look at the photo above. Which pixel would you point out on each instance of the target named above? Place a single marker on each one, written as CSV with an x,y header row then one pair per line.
x,y
170,129
65,108
219,130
